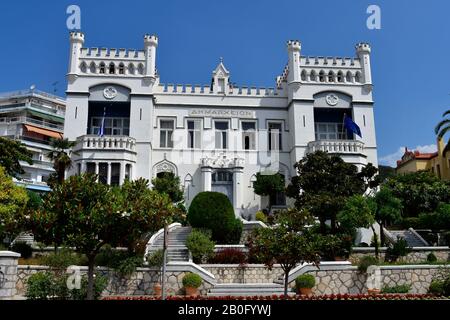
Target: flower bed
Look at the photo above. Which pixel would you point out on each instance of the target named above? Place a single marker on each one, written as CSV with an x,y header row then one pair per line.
x,y
293,297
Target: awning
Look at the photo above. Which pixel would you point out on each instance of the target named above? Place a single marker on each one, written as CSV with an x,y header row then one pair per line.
x,y
46,116
44,132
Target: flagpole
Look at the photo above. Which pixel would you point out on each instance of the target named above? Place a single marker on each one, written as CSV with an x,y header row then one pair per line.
x,y
343,125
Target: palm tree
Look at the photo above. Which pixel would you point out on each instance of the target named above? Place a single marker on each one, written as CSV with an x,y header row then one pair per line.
x,y
443,126
60,155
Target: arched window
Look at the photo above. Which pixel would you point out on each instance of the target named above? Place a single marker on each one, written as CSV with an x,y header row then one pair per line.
x,y
141,68
331,76
112,68
340,76
131,68
304,75
358,77
322,76
92,68
121,68
102,68
83,67
312,76
349,77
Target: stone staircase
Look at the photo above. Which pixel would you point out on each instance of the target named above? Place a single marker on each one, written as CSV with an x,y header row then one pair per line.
x,y
176,250
412,238
246,289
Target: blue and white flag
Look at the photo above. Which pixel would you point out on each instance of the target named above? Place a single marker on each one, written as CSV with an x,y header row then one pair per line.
x,y
101,132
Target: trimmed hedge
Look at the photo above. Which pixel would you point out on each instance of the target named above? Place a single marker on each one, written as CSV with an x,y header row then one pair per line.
x,y
305,281
214,211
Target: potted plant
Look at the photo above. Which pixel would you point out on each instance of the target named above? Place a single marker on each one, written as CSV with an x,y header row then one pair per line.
x,y
191,283
304,284
156,260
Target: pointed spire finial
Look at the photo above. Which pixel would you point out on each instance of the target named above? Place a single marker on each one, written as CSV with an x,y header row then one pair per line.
x,y
221,59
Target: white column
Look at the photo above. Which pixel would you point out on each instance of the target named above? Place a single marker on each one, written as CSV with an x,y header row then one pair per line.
x,y
237,190
206,178
122,173
109,174
83,166
96,169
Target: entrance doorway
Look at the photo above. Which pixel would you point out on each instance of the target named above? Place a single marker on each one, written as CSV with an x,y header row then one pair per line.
x,y
222,181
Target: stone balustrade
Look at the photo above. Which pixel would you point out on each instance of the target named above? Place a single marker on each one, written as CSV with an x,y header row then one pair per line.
x,y
106,143
336,146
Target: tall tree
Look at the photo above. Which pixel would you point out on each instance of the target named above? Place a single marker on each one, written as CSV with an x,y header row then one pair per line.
x,y
168,183
11,153
419,192
60,155
286,247
388,209
146,211
323,183
359,212
81,213
269,185
13,202
85,214
443,126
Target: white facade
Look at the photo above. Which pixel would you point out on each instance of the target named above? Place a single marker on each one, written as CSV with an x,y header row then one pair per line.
x,y
215,136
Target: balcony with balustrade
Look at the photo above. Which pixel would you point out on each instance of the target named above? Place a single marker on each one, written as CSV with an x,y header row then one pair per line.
x,y
117,148
351,151
111,157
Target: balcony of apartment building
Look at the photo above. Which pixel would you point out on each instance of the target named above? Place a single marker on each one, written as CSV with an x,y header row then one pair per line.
x,y
331,136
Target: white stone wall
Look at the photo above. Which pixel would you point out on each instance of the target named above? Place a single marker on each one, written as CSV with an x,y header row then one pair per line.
x,y
252,273
8,274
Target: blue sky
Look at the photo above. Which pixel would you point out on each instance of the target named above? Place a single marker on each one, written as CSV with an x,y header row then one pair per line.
x,y
410,54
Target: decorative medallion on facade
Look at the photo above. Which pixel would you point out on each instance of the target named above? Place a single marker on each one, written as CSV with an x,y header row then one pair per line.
x,y
332,99
110,92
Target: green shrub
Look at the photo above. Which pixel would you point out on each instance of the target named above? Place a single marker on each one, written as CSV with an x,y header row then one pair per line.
x,y
200,245
234,232
127,266
62,259
123,262
25,250
40,286
431,257
156,259
192,280
100,283
403,288
49,286
436,287
214,211
305,281
365,262
412,222
260,216
399,249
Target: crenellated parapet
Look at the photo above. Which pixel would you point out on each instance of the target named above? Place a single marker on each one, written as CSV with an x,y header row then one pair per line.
x,y
112,61
239,91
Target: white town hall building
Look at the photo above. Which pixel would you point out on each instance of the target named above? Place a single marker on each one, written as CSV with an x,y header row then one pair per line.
x,y
217,136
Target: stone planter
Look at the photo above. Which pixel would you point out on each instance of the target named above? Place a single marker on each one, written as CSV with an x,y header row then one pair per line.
x,y
157,289
373,291
305,291
191,291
